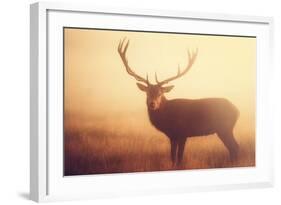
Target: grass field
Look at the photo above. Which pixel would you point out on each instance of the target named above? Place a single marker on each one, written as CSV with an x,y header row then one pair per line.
x,y
126,144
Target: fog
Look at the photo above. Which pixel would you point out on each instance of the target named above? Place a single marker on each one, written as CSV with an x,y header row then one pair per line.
x,y
97,85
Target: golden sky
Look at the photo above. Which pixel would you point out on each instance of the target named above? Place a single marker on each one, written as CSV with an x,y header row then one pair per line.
x,y
96,82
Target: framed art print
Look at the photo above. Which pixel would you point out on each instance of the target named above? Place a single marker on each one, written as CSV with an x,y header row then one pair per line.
x,y
127,102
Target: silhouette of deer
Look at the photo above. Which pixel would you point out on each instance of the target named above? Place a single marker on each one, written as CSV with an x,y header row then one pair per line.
x,y
180,119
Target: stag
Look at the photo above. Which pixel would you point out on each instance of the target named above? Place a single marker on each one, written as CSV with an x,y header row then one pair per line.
x,y
180,119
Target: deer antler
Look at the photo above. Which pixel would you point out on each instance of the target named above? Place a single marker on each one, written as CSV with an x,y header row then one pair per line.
x,y
191,59
122,52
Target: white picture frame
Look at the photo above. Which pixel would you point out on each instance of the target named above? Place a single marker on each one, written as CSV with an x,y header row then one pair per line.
x,y
47,182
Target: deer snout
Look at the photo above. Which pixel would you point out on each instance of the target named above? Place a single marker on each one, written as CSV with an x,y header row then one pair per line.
x,y
152,105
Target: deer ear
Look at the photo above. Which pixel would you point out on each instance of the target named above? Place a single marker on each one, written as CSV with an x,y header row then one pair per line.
x,y
142,87
167,89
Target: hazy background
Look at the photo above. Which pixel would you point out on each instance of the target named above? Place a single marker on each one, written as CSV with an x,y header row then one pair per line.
x,y
101,97
97,83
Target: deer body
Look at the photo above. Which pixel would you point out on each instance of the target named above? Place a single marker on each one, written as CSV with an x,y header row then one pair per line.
x,y
183,118
179,119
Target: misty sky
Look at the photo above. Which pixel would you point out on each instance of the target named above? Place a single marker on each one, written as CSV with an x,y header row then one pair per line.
x,y
96,82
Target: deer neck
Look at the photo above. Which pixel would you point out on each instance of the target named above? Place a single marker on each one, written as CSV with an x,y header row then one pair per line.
x,y
155,116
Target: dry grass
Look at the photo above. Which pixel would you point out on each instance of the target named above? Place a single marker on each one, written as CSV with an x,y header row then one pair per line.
x,y
118,146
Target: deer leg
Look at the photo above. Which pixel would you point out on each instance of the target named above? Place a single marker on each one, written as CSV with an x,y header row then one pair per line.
x,y
173,151
229,141
181,144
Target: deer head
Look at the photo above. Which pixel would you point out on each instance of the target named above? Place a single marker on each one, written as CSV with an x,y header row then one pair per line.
x,y
154,92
